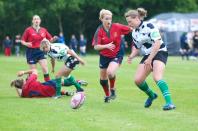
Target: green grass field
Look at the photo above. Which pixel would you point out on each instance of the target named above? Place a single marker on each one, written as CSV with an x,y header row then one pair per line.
x,y
126,113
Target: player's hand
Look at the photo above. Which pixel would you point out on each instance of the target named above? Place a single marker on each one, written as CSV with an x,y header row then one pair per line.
x,y
28,44
82,62
129,59
20,73
55,38
110,46
147,64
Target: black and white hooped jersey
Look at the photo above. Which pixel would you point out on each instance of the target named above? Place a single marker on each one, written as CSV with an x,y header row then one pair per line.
x,y
58,51
145,36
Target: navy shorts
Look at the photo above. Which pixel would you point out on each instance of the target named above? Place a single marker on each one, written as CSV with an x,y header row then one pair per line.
x,y
33,55
104,61
51,83
161,56
71,62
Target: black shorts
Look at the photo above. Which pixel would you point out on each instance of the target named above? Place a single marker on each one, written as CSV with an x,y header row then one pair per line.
x,y
33,55
71,62
161,56
104,61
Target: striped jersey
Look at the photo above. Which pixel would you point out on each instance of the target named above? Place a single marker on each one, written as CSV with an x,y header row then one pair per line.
x,y
58,51
145,36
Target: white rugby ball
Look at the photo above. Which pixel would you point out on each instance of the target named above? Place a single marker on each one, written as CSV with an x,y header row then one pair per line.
x,y
77,100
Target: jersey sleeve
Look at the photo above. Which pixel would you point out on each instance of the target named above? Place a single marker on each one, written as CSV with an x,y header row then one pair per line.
x,y
48,35
97,38
123,28
154,32
32,77
25,35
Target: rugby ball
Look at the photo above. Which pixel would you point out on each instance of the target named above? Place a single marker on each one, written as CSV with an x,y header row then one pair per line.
x,y
77,100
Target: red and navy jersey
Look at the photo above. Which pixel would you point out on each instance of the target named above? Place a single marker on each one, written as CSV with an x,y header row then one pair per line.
x,y
103,37
31,35
34,88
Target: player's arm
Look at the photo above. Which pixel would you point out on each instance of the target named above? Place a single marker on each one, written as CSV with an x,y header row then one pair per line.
x,y
134,53
124,29
109,46
71,52
156,38
53,64
25,39
19,92
32,71
28,44
154,49
97,42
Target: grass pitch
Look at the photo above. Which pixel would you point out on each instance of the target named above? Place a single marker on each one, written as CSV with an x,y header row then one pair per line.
x,y
126,113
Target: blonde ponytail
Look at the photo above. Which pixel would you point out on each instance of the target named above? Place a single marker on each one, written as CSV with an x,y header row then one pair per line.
x,y
142,13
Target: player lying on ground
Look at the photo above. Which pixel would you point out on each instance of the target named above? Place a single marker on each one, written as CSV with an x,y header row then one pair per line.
x,y
31,87
69,57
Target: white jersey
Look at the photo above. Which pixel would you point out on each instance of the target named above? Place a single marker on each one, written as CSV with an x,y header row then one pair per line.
x,y
58,51
145,36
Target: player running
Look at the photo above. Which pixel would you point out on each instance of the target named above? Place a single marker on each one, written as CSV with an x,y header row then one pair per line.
x,y
62,53
107,40
31,38
146,37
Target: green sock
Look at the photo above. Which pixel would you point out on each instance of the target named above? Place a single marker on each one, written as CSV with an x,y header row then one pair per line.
x,y
58,86
75,83
164,89
144,87
67,82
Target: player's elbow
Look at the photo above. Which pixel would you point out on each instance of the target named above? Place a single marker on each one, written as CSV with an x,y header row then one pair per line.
x,y
34,71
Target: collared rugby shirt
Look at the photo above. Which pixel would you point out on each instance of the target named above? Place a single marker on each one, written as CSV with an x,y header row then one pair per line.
x,y
145,36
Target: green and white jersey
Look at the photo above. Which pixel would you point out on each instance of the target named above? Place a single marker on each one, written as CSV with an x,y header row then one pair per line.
x,y
58,51
145,36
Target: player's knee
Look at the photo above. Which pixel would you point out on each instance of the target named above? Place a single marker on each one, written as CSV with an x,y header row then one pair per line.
x,y
45,70
110,74
103,82
156,79
138,81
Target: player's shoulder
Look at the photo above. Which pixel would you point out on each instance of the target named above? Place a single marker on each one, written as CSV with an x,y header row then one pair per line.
x,y
116,24
148,25
99,28
43,28
29,28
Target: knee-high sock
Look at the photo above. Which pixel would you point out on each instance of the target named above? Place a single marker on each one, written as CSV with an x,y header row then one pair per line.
x,y
67,82
112,83
58,86
72,80
105,85
46,77
164,89
144,87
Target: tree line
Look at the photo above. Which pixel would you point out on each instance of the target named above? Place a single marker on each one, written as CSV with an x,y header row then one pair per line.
x,y
78,16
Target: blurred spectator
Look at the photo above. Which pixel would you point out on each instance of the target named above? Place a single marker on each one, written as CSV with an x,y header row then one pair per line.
x,y
73,43
124,44
17,43
61,38
7,44
195,44
82,44
184,46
